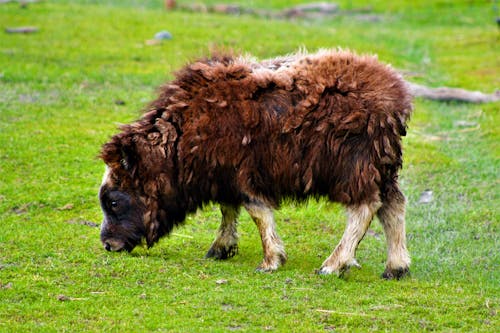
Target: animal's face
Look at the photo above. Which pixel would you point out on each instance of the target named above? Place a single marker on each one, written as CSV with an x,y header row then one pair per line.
x,y
123,223
138,194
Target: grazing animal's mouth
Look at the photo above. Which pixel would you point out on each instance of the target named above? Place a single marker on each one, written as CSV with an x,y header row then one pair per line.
x,y
113,245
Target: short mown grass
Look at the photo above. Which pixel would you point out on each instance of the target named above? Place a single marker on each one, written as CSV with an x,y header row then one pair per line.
x,y
64,90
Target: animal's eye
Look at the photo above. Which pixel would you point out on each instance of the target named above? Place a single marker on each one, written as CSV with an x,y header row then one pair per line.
x,y
116,202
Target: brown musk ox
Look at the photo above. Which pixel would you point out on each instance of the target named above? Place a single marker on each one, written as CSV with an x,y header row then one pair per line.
x,y
238,132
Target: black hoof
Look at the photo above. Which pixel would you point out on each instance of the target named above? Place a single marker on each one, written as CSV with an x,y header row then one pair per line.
x,y
222,253
397,273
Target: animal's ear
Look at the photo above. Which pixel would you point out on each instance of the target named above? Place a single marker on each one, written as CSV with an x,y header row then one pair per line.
x,y
119,153
127,160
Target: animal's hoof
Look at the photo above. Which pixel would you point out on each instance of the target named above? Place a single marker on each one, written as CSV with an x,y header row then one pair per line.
x,y
261,269
267,267
324,271
272,265
222,253
339,270
396,273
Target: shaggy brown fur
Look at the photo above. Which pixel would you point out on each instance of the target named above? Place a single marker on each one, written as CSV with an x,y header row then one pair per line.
x,y
238,132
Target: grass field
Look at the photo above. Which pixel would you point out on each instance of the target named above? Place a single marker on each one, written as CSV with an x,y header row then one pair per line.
x,y
64,89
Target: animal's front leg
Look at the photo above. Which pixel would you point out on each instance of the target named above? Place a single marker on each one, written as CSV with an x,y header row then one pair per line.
x,y
226,243
274,251
359,218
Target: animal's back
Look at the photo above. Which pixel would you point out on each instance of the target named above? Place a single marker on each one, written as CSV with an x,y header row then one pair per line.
x,y
327,123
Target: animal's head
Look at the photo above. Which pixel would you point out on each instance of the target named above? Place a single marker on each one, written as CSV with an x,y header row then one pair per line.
x,y
137,195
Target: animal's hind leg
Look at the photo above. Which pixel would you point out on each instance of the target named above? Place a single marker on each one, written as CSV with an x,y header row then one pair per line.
x,y
274,251
226,243
359,218
392,217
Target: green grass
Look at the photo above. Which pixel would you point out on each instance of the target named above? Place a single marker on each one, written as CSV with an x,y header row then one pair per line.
x,y
58,89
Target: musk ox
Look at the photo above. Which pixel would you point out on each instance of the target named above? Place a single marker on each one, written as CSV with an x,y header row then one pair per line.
x,y
238,132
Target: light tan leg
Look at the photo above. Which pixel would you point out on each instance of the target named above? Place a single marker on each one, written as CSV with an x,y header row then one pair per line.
x,y
226,243
392,217
359,218
274,251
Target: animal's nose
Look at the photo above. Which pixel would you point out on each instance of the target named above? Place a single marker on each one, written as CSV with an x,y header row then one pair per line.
x,y
107,246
